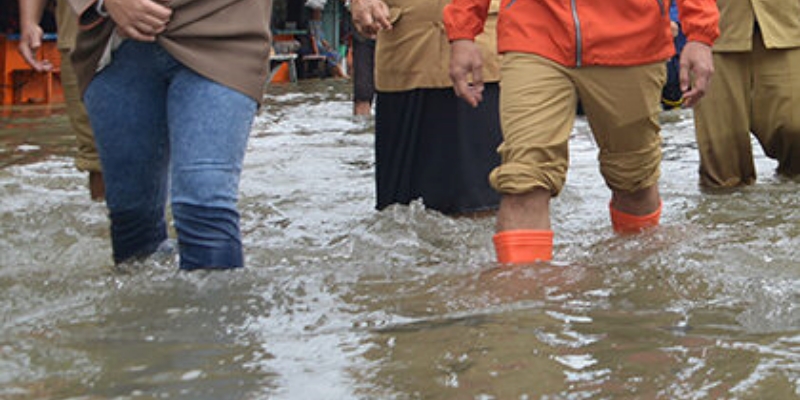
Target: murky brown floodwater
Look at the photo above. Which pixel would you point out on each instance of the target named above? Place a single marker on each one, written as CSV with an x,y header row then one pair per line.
x,y
341,302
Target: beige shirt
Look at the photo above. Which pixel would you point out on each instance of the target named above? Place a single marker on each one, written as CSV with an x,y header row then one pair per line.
x,y
227,41
415,53
779,21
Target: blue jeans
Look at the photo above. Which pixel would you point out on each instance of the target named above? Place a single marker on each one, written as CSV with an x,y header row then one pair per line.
x,y
160,126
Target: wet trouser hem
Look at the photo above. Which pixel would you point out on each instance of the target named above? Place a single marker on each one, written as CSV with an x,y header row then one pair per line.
x,y
142,247
201,257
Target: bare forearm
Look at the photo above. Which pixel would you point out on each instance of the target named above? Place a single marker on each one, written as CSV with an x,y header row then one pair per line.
x,y
30,40
30,13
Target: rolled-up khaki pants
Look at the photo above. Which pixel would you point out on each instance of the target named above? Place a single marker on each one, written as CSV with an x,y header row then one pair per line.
x,y
538,102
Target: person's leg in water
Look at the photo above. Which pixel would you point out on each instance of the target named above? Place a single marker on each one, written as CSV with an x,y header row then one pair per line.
x,y
86,158
627,132
523,228
209,127
776,104
633,212
536,132
363,79
537,116
201,141
126,102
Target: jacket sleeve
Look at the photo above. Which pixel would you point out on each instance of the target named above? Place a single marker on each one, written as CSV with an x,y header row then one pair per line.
x,y
464,19
699,20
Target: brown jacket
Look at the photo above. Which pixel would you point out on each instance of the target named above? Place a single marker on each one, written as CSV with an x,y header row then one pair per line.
x,y
227,41
779,21
415,53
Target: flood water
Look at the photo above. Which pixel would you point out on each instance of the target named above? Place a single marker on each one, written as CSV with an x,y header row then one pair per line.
x,y
339,301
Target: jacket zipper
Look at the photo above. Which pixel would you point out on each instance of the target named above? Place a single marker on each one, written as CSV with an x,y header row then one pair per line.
x,y
578,41
661,6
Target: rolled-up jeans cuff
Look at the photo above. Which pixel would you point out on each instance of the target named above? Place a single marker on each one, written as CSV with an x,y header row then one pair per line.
x,y
208,237
203,257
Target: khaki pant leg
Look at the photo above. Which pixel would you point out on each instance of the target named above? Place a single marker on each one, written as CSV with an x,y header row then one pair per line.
x,y
776,105
622,105
537,112
87,158
722,124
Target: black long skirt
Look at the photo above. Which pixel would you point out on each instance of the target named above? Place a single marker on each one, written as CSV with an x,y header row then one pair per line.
x,y
431,145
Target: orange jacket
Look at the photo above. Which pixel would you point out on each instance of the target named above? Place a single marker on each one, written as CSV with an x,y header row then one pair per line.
x,y
575,33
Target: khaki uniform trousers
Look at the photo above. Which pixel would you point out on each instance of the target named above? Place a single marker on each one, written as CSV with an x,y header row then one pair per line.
x,y
87,158
756,91
538,104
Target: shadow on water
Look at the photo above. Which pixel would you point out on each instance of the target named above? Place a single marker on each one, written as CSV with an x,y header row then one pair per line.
x,y
342,302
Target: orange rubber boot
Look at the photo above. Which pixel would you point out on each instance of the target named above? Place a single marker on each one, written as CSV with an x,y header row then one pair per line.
x,y
625,223
523,246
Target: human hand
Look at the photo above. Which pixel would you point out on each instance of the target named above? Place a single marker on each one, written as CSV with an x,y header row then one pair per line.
x,y
465,62
697,67
30,40
140,20
370,16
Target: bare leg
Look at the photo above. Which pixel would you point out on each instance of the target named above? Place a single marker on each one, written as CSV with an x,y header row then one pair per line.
x,y
523,228
524,211
362,108
640,202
